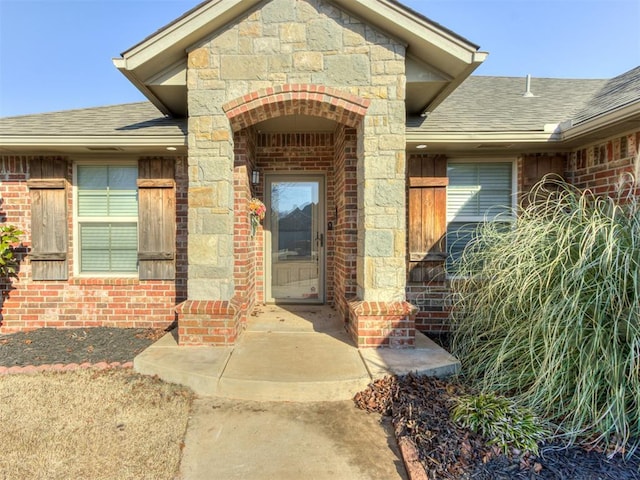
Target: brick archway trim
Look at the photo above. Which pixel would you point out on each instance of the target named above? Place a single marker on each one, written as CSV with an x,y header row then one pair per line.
x,y
295,99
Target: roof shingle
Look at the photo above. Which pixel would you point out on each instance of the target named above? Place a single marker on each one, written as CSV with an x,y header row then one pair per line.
x,y
131,119
618,92
497,104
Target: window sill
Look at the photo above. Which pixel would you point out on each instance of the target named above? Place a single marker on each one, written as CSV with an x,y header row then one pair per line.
x,y
105,281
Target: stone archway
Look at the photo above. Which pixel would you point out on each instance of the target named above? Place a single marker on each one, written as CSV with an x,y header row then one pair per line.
x,y
347,111
296,99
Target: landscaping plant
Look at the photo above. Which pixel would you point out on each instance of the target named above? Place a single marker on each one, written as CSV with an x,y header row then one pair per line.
x,y
548,312
500,420
9,238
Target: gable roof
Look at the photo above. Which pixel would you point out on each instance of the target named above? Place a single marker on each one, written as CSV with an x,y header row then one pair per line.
x,y
497,104
157,65
617,93
486,112
132,125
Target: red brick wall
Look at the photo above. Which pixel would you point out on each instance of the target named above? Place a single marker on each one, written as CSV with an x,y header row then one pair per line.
x,y
600,166
433,299
346,221
245,246
300,153
84,302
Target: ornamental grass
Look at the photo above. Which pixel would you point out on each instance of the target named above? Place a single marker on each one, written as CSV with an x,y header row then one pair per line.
x,y
548,312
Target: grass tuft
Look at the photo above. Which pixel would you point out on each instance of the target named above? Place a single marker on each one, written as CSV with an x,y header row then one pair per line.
x,y
549,312
499,420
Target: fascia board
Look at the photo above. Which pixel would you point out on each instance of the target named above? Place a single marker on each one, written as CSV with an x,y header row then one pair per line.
x,y
395,18
481,137
602,121
92,141
120,64
180,34
479,57
387,15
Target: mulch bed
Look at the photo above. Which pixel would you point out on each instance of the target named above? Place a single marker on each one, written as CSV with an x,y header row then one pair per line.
x,y
419,409
49,346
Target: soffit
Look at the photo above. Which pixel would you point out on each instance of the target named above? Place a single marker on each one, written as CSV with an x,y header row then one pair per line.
x,y
439,59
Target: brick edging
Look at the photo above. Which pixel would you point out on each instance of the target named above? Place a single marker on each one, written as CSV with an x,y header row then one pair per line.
x,y
412,464
62,367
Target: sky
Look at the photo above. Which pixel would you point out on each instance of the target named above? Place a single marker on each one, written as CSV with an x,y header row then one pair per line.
x,y
56,54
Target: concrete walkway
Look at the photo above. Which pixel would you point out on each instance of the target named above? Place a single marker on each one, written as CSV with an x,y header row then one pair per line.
x,y
278,404
289,353
236,439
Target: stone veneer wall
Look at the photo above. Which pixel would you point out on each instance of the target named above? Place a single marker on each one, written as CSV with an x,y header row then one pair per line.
x,y
300,46
83,301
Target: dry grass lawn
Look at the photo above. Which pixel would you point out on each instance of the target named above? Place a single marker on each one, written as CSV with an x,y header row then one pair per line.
x,y
91,424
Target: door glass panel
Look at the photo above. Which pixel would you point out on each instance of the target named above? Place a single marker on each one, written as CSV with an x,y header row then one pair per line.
x,y
295,241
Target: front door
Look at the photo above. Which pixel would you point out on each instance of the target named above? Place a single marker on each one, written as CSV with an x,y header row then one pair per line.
x,y
295,238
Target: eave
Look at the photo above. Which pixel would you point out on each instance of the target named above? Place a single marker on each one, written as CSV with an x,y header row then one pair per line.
x,y
482,143
92,144
626,118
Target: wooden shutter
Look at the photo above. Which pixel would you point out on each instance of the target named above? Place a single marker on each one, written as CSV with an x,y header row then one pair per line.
x,y
156,219
49,227
427,218
535,167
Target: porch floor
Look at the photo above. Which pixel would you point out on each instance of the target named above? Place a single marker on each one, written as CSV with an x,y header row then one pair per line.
x,y
289,353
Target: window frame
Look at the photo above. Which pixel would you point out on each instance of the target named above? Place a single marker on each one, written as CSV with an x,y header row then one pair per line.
x,y
477,218
76,219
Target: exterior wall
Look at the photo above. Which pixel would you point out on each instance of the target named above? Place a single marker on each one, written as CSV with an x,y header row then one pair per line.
x,y
245,245
301,153
600,166
83,301
282,59
290,42
346,219
433,298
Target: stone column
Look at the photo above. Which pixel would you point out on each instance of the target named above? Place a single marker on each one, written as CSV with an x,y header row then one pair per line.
x,y
209,316
380,316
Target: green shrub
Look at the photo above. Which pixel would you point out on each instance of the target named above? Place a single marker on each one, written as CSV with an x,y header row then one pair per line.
x,y
9,237
500,421
549,312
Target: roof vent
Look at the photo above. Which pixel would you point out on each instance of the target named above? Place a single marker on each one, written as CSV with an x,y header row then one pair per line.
x,y
527,92
104,149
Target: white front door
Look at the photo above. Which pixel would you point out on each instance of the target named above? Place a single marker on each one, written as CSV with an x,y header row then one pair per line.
x,y
295,238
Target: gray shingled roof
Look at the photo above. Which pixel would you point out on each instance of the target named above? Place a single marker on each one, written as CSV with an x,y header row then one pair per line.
x,y
131,119
617,93
480,104
497,104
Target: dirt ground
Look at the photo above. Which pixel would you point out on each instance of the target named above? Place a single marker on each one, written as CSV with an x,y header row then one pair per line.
x,y
419,410
78,345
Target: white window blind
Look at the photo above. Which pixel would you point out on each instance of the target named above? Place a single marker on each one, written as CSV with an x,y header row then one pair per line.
x,y
107,210
477,192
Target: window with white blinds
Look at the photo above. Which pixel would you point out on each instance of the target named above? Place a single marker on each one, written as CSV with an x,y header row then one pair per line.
x,y
477,192
107,218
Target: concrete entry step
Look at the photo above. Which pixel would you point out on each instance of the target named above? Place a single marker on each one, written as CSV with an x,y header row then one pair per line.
x,y
298,353
294,353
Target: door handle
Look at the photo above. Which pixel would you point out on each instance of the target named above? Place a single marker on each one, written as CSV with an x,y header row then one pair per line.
x,y
320,239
